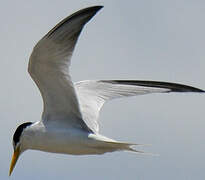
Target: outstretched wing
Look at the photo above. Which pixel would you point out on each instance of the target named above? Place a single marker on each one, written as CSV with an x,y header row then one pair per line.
x,y
93,94
49,67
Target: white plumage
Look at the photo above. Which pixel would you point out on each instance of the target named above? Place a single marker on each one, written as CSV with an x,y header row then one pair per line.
x,y
69,121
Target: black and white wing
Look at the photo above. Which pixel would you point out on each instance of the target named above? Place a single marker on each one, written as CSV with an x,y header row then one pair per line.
x,y
49,67
93,94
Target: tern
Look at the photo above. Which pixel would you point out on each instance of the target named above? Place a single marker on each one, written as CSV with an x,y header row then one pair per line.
x,y
69,122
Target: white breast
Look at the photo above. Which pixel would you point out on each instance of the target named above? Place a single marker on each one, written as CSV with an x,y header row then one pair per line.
x,y
62,140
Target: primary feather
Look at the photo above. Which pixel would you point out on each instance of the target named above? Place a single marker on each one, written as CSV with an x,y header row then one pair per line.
x,y
49,67
92,94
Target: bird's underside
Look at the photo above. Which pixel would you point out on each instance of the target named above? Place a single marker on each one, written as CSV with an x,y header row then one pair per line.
x,y
69,121
77,105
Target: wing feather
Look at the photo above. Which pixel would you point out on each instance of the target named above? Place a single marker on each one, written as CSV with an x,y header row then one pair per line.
x,y
93,94
49,67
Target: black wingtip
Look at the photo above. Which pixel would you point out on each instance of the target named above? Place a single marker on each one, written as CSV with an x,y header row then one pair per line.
x,y
92,10
185,88
199,90
173,87
95,9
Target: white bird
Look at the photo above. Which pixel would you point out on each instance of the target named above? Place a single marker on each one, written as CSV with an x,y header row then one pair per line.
x,y
69,122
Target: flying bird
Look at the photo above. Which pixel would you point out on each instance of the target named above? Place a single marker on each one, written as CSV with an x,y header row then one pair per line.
x,y
69,123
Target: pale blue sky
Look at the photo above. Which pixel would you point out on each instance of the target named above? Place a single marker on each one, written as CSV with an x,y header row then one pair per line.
x,y
152,40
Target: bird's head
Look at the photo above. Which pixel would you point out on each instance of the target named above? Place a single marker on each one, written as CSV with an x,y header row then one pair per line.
x,y
17,144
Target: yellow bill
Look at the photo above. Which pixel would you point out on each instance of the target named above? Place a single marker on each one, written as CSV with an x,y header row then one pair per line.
x,y
14,159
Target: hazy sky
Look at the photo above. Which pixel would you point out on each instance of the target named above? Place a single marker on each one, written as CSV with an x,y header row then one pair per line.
x,y
151,40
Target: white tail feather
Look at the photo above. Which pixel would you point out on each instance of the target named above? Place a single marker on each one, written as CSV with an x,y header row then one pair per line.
x,y
121,146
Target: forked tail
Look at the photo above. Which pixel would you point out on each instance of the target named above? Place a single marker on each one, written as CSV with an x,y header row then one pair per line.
x,y
121,146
